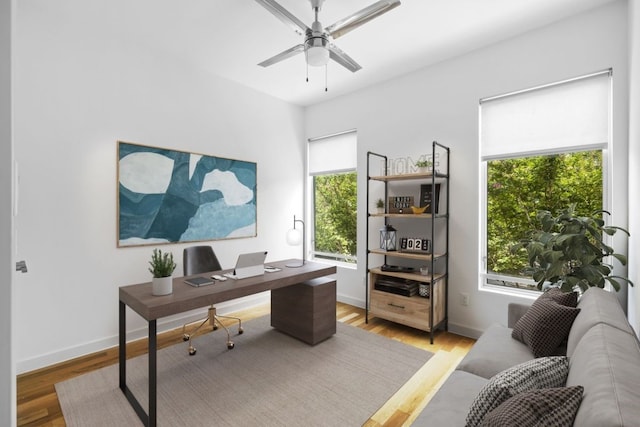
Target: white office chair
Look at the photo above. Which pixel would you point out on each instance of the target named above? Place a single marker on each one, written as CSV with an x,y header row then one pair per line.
x,y
196,260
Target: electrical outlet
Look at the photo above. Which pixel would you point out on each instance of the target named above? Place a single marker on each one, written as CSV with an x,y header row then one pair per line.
x,y
464,298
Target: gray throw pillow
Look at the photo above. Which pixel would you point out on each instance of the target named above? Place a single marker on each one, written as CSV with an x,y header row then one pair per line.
x,y
547,407
546,372
544,326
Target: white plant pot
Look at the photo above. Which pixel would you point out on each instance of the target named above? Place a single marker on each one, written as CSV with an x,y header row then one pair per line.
x,y
162,285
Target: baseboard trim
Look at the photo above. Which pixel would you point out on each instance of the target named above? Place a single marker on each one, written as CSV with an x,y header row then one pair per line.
x,y
465,331
167,324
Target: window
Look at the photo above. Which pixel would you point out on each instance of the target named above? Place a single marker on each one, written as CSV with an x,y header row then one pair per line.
x,y
541,149
332,172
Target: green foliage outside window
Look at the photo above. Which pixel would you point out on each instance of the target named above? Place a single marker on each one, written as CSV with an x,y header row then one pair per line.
x,y
518,188
335,214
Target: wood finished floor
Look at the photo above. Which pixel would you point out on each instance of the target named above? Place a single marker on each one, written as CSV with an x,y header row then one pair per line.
x,y
38,402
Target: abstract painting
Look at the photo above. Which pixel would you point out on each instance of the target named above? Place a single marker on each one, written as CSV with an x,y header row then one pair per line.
x,y
168,196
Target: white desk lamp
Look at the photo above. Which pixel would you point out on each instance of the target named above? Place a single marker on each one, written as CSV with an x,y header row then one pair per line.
x,y
294,237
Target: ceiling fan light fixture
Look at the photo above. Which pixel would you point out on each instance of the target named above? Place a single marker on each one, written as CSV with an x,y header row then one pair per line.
x,y
317,56
317,53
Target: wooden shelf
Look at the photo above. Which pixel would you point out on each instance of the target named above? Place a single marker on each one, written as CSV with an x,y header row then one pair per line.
x,y
407,255
410,276
408,176
408,215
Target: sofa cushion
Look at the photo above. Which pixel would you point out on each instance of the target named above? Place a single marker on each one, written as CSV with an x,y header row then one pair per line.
x,y
596,306
545,407
606,362
545,326
538,373
449,406
494,352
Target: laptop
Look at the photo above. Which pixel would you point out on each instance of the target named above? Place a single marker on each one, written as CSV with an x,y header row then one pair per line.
x,y
248,265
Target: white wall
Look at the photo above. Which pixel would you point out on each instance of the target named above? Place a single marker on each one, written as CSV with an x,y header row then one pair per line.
x,y
401,117
634,162
79,87
7,364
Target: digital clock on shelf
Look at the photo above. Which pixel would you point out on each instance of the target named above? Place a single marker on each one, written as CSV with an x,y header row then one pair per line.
x,y
415,244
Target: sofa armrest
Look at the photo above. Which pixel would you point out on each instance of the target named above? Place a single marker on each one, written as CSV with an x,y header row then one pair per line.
x,y
516,311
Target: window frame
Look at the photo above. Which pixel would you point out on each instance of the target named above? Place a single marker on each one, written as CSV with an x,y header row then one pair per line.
x,y
483,275
310,185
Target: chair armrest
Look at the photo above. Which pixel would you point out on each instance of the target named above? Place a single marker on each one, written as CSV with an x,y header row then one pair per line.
x,y
516,311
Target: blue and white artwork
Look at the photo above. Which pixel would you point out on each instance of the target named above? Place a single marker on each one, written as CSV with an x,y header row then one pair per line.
x,y
167,196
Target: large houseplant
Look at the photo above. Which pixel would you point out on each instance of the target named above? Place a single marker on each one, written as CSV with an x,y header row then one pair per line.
x,y
568,251
161,267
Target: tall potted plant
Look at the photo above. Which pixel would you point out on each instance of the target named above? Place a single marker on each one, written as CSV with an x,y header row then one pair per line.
x,y
162,267
568,251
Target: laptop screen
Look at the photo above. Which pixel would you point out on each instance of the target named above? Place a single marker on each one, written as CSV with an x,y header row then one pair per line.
x,y
251,259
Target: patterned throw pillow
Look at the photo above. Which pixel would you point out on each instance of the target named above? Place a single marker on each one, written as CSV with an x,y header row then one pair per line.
x,y
546,372
570,299
544,326
548,407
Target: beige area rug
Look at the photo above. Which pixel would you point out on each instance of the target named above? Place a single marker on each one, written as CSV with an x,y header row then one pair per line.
x,y
268,379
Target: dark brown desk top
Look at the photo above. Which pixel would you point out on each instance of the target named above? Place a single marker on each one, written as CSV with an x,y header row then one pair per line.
x,y
186,297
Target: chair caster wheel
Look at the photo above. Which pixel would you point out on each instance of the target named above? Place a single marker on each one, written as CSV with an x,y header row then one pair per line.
x,y
240,331
192,351
215,328
185,337
230,345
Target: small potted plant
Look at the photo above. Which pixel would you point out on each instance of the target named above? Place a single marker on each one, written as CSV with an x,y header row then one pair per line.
x,y
380,206
162,267
424,165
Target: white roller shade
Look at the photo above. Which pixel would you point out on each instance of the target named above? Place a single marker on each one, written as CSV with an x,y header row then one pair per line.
x,y
571,115
333,154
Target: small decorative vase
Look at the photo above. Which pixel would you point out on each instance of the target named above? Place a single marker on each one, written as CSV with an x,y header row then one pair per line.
x,y
424,169
162,285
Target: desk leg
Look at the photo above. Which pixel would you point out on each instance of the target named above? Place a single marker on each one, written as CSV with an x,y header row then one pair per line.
x,y
150,419
153,373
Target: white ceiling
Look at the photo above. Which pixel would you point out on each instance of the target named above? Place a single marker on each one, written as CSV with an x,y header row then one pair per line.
x,y
229,37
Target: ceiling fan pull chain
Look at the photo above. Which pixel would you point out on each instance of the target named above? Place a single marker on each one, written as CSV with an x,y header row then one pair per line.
x,y
307,65
326,67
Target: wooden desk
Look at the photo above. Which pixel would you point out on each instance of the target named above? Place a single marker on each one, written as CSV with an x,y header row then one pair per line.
x,y
184,298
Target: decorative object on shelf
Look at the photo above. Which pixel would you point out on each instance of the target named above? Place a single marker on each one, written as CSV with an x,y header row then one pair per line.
x,y
400,204
417,210
415,244
162,267
294,238
424,270
568,251
388,238
424,290
424,166
427,196
380,206
167,196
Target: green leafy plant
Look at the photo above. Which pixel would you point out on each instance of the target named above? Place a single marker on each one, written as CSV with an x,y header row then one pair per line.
x,y
162,264
380,203
568,251
424,163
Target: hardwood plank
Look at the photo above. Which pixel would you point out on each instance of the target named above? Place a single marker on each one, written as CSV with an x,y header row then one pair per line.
x,y
38,403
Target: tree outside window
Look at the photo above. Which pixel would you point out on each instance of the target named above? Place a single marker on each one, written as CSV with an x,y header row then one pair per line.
x,y
518,188
335,226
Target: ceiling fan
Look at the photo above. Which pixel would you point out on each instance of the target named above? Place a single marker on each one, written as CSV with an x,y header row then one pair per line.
x,y
317,44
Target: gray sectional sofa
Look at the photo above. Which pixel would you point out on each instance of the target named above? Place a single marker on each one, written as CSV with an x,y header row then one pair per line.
x,y
603,353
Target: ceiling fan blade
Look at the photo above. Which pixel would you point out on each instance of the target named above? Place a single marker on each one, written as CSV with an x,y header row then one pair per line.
x,y
365,15
283,55
342,58
284,15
